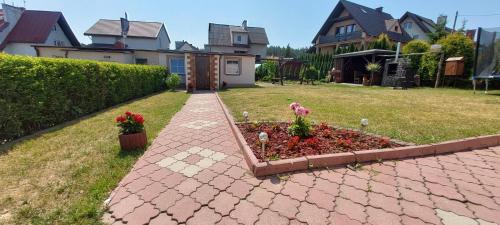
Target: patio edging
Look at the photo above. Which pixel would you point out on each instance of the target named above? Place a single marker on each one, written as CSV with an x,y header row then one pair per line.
x,y
337,159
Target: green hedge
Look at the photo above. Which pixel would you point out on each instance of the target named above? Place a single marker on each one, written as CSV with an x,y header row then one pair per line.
x,y
37,93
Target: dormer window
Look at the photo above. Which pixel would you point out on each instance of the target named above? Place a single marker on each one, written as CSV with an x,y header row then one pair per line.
x,y
238,38
396,28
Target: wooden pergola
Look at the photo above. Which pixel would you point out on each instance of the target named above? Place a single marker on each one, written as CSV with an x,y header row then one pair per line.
x,y
352,66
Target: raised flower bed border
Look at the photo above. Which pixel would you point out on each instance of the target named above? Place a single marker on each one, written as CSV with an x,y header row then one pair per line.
x,y
337,159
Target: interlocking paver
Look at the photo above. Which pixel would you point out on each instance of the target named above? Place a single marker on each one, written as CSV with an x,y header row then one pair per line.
x,y
194,173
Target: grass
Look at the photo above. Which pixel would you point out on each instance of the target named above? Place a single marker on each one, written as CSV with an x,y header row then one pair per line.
x,y
422,115
64,175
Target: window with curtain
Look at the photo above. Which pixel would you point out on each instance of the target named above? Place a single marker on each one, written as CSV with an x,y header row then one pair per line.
x,y
177,66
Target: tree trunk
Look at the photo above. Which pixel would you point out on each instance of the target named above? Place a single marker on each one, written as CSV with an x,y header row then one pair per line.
x,y
440,67
371,78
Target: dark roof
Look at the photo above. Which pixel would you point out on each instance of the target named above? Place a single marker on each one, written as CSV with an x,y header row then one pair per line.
x,y
220,34
179,44
372,21
35,27
420,21
139,29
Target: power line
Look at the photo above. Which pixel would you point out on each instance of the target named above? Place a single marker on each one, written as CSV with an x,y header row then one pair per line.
x,y
493,14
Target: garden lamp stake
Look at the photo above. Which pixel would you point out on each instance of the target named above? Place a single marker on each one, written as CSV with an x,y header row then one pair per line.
x,y
264,138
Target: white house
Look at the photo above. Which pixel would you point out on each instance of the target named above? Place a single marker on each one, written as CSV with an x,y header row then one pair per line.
x,y
418,27
237,39
21,30
141,35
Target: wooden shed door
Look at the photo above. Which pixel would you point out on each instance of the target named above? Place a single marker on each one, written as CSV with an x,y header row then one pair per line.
x,y
202,73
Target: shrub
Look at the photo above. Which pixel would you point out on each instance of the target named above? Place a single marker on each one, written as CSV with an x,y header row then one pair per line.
x,y
266,71
310,73
173,81
457,44
38,93
382,42
130,123
416,46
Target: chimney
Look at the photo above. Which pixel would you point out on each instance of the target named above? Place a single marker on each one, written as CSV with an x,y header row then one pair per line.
x,y
441,19
379,9
244,25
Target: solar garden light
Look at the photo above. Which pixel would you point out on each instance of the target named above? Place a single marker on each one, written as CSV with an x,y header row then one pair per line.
x,y
263,138
364,124
245,114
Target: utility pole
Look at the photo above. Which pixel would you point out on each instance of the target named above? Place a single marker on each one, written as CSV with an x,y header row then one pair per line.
x,y
455,22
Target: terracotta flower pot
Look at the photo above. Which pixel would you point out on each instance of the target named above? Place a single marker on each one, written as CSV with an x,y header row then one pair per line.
x,y
133,141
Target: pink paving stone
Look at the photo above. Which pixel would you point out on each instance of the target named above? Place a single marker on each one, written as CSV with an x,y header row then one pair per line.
x,y
220,167
354,194
311,214
223,203
476,188
272,184
239,189
166,199
139,184
188,186
411,184
384,178
385,189
327,187
417,211
163,219
221,182
352,210
295,191
160,174
378,216
204,194
331,176
271,218
261,197
387,203
232,160
148,169
141,215
204,216
173,180
152,191
340,219
484,213
285,206
235,172
205,176
417,197
125,206
246,213
227,221
117,195
183,209
321,199
480,200
451,206
356,182
304,179
193,159
412,221
445,191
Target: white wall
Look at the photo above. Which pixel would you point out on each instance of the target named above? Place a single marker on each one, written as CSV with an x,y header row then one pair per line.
x,y
255,49
258,49
162,42
415,30
11,15
247,72
58,35
20,49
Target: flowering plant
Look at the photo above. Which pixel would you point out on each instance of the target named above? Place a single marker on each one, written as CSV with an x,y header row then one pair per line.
x,y
299,127
130,123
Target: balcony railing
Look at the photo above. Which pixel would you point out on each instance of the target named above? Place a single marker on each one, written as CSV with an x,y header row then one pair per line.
x,y
327,39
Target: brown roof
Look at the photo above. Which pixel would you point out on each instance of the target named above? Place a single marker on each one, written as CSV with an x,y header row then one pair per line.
x,y
35,26
220,34
136,28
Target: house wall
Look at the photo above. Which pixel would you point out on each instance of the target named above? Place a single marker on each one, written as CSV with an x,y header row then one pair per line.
x,y
415,30
20,49
160,43
119,57
11,15
58,35
165,61
247,72
255,49
244,38
258,50
152,57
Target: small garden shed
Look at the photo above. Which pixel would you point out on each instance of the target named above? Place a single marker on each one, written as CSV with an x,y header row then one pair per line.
x,y
351,67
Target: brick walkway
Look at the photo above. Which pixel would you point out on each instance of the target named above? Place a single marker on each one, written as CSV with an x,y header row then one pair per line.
x,y
193,173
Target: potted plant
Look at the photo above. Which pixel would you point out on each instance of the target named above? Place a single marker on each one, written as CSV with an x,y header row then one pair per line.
x,y
132,133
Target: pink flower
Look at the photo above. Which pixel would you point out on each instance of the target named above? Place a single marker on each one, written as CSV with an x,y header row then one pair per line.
x,y
301,111
294,106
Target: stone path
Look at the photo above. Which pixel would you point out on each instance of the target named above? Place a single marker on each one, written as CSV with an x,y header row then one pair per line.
x,y
194,174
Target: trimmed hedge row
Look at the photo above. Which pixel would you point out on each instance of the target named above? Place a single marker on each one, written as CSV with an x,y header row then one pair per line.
x,y
37,93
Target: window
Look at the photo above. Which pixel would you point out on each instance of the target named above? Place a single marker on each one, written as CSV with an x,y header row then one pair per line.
x,y
141,61
396,28
177,66
55,28
239,38
240,52
340,30
408,25
350,28
416,36
233,67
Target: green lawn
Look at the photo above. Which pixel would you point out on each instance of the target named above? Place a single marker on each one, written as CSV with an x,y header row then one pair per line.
x,y
63,176
422,115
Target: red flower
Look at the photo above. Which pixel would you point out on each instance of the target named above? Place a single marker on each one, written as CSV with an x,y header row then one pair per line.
x,y
120,119
293,142
312,141
128,113
138,118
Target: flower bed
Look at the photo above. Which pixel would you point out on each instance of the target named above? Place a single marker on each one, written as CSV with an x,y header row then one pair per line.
x,y
323,139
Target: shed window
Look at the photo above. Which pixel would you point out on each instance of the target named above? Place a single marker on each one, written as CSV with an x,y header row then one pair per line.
x,y
141,61
233,67
177,66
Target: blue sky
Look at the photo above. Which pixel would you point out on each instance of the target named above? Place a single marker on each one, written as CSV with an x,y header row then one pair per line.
x,y
286,21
